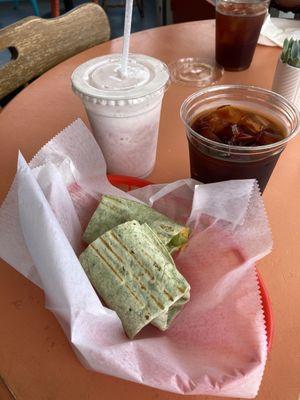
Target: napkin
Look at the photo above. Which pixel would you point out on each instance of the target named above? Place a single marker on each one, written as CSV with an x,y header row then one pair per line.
x,y
217,345
275,30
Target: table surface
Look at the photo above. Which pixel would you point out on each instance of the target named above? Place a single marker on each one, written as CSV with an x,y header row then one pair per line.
x,y
36,360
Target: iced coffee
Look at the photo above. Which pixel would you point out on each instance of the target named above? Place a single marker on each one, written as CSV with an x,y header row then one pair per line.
x,y
237,132
238,25
234,126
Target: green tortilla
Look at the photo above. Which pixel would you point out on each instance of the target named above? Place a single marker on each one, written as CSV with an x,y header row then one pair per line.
x,y
134,274
113,211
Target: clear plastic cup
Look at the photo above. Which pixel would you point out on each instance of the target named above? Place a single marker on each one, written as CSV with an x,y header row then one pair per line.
x,y
124,113
212,161
238,25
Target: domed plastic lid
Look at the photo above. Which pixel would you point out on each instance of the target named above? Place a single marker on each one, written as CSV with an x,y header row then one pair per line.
x,y
101,78
195,71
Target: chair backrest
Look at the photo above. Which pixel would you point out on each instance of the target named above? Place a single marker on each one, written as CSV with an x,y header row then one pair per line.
x,y
38,44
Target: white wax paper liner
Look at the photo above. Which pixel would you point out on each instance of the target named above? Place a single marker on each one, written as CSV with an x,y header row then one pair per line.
x,y
217,345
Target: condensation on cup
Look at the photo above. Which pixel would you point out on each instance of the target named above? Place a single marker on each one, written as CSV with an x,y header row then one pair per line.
x,y
124,113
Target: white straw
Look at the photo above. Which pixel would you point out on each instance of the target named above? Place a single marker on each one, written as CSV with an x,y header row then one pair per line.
x,y
126,38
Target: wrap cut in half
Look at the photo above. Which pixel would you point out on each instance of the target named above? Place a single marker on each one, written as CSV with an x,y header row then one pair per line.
x,y
113,211
134,274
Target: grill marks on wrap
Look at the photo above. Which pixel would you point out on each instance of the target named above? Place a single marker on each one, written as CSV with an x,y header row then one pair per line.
x,y
135,275
168,295
139,280
113,211
110,204
181,290
107,263
115,237
120,278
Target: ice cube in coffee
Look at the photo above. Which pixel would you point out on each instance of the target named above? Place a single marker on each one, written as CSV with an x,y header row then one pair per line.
x,y
235,127
238,127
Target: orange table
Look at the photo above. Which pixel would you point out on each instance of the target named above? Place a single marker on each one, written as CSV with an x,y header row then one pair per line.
x,y
36,360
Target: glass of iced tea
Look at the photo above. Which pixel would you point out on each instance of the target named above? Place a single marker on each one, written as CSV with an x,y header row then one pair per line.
x,y
238,25
237,132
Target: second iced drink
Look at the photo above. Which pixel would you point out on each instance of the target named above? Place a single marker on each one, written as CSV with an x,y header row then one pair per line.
x,y
238,24
124,112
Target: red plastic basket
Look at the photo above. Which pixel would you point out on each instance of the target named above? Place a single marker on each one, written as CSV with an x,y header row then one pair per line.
x,y
129,183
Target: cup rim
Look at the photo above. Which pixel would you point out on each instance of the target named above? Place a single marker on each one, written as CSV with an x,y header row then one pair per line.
x,y
249,88
151,87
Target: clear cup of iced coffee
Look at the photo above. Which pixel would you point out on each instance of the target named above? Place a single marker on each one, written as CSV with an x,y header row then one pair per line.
x,y
238,25
237,132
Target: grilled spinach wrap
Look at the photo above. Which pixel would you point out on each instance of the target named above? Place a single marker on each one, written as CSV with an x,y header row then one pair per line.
x,y
113,211
134,274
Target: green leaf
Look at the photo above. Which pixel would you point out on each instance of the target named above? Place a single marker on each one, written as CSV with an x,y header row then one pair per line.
x,y
285,44
294,51
291,52
284,54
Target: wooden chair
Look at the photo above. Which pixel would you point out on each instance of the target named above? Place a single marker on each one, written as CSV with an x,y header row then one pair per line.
x,y
37,44
68,4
